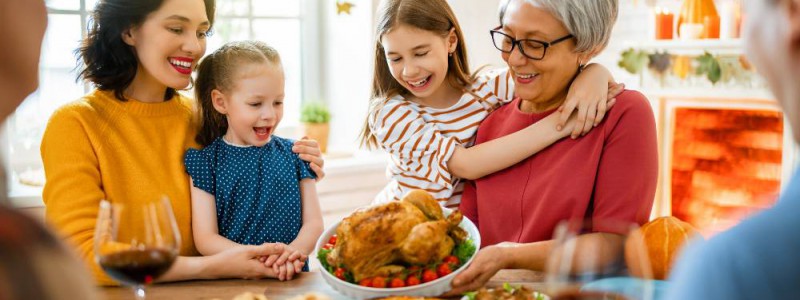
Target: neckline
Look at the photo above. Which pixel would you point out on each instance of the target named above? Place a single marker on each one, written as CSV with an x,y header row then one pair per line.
x,y
229,143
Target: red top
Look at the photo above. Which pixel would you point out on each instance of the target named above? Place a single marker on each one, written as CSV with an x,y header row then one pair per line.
x,y
607,175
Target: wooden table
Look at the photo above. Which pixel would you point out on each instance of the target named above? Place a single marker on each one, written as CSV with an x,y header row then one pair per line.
x,y
277,290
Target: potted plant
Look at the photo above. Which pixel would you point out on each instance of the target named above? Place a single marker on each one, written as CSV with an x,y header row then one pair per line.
x,y
315,117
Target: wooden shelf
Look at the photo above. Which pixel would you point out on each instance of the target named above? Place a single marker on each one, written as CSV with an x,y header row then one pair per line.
x,y
691,47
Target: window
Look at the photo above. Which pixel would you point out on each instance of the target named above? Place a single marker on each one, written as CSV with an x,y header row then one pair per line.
x,y
281,24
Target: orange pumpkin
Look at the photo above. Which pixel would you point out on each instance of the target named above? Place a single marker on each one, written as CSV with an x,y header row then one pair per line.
x,y
662,240
695,12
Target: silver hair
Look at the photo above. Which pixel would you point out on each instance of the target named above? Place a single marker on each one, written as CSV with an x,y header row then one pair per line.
x,y
590,21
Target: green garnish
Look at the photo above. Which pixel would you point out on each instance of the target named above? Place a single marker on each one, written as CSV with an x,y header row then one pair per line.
x,y
508,287
471,295
464,250
322,256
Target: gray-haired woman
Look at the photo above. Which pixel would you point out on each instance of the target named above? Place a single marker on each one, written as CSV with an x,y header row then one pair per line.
x,y
607,176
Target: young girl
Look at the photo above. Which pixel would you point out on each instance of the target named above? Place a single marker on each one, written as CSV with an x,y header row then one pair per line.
x,y
248,188
125,141
425,107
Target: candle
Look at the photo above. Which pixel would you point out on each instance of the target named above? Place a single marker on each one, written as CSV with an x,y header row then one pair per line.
x,y
664,24
728,20
711,27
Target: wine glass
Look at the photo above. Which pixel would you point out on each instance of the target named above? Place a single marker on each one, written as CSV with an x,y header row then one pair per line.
x,y
588,265
136,257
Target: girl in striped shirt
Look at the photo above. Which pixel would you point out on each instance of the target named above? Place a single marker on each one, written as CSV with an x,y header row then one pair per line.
x,y
426,108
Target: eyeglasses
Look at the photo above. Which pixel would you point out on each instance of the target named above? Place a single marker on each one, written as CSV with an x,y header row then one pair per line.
x,y
530,48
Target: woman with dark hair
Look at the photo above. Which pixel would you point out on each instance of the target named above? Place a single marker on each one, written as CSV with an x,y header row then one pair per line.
x,y
124,141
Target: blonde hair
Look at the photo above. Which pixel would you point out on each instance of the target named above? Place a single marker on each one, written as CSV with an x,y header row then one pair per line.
x,y
431,15
216,72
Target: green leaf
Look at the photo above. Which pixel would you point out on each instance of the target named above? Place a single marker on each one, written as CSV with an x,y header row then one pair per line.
x,y
464,250
315,112
508,287
709,65
470,295
322,256
633,61
539,296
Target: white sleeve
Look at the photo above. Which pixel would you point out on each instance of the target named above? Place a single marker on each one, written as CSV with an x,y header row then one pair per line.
x,y
416,146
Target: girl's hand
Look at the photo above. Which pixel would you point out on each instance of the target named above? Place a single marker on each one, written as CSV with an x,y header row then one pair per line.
x,y
592,96
487,262
289,254
243,262
298,265
310,152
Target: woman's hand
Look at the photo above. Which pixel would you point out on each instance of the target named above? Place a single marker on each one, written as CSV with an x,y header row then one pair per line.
x,y
243,262
310,152
592,95
487,262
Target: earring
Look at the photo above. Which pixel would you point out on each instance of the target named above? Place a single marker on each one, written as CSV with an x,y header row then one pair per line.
x,y
450,54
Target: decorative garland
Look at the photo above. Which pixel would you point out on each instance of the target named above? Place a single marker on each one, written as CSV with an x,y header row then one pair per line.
x,y
715,68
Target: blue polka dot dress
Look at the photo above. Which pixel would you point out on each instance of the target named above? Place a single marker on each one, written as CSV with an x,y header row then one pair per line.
x,y
256,189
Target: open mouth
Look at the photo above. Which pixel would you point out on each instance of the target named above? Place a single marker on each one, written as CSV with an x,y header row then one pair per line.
x,y
263,133
181,64
420,84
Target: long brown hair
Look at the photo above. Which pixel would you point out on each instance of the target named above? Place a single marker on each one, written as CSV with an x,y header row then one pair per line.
x,y
431,15
217,71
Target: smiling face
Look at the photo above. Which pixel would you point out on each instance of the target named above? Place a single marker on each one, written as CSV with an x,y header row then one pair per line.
x,y
254,106
168,44
542,82
418,60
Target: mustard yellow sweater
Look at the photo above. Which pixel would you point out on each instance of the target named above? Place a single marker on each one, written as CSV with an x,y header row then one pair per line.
x,y
126,152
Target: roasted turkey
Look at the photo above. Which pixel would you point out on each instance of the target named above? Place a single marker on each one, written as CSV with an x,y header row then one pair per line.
x,y
380,240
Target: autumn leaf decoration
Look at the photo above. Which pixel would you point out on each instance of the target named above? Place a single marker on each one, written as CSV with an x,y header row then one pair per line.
x,y
709,66
343,7
633,60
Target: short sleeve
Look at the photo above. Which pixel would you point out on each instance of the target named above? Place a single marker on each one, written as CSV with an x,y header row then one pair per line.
x,y
198,165
496,87
303,168
416,146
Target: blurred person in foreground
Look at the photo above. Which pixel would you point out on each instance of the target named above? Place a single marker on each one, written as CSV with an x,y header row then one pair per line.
x,y
33,263
757,259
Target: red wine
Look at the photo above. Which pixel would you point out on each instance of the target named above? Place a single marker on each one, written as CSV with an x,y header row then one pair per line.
x,y
137,266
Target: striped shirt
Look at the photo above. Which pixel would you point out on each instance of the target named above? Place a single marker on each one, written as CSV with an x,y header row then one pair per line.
x,y
421,139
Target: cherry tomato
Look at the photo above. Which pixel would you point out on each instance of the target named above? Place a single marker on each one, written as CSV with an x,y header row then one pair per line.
x,y
379,282
451,259
397,282
332,240
367,282
328,246
339,273
443,270
429,275
412,280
